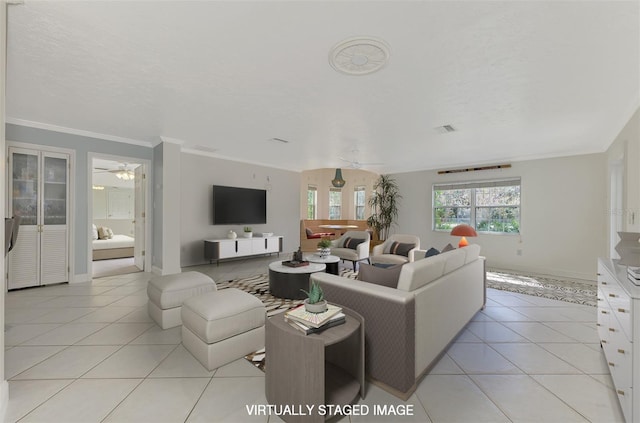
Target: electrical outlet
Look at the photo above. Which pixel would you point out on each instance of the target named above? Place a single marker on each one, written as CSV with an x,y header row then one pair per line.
x,y
518,252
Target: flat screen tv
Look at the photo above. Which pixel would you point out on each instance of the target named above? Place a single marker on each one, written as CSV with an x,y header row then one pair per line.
x,y
242,206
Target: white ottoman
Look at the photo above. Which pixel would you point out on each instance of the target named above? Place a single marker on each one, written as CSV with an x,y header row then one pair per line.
x,y
167,293
220,327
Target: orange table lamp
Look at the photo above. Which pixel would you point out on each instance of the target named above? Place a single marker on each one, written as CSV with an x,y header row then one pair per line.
x,y
463,231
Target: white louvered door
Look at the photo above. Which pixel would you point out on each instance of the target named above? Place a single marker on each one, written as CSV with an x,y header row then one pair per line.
x,y
39,182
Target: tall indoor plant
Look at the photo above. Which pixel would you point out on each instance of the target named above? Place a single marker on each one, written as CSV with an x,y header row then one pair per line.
x,y
384,206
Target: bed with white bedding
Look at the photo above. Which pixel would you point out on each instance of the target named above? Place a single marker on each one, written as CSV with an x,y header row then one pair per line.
x,y
119,246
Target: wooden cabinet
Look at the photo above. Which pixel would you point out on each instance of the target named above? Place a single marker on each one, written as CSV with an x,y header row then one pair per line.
x,y
218,249
618,326
39,194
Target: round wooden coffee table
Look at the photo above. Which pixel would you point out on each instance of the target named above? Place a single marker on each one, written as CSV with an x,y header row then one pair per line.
x,y
287,282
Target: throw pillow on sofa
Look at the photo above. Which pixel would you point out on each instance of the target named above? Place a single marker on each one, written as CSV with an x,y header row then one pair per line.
x,y
95,232
447,247
401,249
431,252
352,243
380,276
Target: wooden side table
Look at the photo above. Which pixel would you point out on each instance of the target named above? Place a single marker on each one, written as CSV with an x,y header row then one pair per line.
x,y
316,370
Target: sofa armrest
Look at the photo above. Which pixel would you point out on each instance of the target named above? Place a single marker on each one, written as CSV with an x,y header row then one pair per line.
x,y
363,249
389,316
416,254
378,249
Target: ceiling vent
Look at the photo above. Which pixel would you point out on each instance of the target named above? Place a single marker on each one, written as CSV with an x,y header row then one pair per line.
x,y
445,129
474,169
359,56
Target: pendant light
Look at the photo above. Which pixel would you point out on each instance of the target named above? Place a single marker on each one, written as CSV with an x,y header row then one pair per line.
x,y
338,182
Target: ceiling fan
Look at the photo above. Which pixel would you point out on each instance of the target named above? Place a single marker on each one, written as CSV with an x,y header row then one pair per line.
x,y
355,164
122,172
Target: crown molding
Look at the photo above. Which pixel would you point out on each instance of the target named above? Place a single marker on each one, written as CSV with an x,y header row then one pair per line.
x,y
73,131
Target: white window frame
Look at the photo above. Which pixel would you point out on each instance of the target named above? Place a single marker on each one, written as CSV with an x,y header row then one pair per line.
x,y
314,204
472,186
356,191
339,206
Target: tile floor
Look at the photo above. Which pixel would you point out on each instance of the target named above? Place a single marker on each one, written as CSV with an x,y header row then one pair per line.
x,y
89,353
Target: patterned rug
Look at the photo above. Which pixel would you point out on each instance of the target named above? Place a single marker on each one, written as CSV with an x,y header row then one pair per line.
x,y
545,286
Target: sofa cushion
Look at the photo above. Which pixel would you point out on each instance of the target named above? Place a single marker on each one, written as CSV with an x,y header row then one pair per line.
x,y
385,276
472,251
400,248
421,272
352,243
431,252
455,260
94,232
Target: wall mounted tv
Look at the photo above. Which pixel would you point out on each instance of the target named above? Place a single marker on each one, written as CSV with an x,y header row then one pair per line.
x,y
233,205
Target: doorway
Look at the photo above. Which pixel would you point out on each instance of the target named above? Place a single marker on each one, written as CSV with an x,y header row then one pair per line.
x,y
117,211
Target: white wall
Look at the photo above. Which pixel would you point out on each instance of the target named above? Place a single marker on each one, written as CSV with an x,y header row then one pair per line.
x,y
626,147
322,178
563,215
4,386
200,173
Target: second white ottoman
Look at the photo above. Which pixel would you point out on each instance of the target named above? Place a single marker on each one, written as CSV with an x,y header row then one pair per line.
x,y
220,327
167,293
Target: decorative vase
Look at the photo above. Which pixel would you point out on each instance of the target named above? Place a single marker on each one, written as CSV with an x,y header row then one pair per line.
x,y
319,307
232,235
325,252
248,234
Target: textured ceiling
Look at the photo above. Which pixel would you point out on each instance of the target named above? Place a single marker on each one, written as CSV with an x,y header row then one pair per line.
x,y
517,80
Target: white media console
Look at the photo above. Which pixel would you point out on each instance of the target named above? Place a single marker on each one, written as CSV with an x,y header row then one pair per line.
x,y
219,249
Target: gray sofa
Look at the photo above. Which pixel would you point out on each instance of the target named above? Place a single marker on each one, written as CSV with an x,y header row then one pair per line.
x,y
407,328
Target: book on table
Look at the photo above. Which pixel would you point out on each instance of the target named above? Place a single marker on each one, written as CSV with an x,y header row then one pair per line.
x,y
314,320
336,320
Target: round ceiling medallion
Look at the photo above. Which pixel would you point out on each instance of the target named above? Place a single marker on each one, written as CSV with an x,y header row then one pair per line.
x,y
359,56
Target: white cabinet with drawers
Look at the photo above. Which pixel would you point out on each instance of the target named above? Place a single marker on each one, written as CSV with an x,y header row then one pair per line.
x,y
218,249
619,330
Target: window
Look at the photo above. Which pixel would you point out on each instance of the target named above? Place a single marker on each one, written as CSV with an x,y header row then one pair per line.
x,y
359,201
335,203
312,202
491,206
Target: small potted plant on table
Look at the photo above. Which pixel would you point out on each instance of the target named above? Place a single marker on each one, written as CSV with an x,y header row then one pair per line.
x,y
248,232
325,247
315,303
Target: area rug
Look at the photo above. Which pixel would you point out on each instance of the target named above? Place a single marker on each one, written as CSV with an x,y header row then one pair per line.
x,y
545,286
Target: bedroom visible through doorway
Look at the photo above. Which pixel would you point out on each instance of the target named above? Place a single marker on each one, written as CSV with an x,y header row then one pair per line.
x,y
117,207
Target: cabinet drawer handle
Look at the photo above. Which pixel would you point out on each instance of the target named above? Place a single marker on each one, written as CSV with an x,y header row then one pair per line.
x,y
604,341
612,330
622,310
612,295
621,351
612,364
620,392
597,324
604,312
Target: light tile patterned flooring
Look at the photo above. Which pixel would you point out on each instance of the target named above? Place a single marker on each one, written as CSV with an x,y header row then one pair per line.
x,y
89,353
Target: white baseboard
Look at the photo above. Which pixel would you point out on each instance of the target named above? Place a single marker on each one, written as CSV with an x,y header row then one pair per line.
x,y
4,399
83,277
